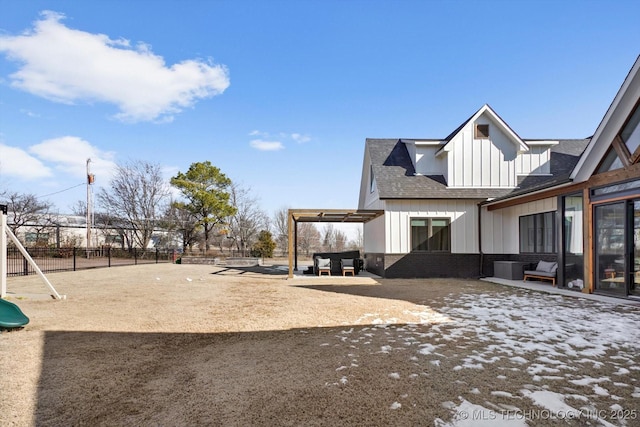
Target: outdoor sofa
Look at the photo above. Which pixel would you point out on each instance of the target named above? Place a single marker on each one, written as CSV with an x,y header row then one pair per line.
x,y
544,270
335,260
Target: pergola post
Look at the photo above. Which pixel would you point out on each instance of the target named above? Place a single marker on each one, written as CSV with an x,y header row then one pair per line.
x,y
291,230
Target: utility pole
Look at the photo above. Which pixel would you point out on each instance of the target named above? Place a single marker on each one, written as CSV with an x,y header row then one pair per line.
x,y
90,181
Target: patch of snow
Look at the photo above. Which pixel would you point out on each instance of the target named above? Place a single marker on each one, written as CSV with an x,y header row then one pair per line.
x,y
427,348
394,375
536,369
468,414
395,405
554,402
589,380
622,371
600,391
616,408
501,393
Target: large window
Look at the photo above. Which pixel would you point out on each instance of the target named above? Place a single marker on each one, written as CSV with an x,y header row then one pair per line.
x,y
630,134
537,233
573,241
430,234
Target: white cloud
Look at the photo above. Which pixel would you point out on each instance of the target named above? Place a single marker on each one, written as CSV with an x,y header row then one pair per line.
x,y
299,138
18,163
70,154
263,145
29,113
67,65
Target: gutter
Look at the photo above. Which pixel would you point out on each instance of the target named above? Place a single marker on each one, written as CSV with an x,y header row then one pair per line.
x,y
528,192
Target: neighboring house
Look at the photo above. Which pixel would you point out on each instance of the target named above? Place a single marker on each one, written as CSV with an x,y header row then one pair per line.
x,y
453,206
56,230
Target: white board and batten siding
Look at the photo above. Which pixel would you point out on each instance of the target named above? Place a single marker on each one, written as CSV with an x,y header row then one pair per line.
x,y
537,161
463,215
373,232
501,227
423,155
481,163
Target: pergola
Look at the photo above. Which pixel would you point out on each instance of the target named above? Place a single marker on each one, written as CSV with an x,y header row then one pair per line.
x,y
322,215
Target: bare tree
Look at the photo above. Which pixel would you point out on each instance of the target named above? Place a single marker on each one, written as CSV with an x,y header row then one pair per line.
x,y
308,237
328,237
340,239
246,224
79,208
183,221
115,230
26,209
281,229
136,195
358,241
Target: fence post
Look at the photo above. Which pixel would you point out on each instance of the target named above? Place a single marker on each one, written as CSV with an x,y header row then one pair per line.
x,y
157,255
109,255
135,257
74,258
25,266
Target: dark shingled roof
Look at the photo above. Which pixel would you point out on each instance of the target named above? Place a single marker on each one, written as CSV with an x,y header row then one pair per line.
x,y
395,175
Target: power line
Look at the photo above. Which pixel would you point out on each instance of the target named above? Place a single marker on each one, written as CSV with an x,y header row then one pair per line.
x,y
61,191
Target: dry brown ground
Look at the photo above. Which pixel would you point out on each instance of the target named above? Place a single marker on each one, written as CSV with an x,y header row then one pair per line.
x,y
178,345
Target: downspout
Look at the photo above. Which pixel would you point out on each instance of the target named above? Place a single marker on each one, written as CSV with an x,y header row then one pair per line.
x,y
480,240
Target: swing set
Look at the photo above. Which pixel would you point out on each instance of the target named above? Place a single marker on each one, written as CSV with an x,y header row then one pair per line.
x,y
10,314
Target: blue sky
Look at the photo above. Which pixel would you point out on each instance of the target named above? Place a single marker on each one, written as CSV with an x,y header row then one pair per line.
x,y
280,95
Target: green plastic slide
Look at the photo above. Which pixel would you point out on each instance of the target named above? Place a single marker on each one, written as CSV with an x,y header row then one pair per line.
x,y
11,316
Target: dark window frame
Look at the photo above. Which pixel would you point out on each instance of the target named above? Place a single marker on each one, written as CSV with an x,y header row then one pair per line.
x,y
430,237
540,233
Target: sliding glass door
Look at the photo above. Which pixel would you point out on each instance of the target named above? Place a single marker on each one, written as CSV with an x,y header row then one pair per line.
x,y
617,248
635,253
610,245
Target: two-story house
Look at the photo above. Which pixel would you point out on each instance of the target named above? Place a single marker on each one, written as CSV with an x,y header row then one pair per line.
x,y
453,206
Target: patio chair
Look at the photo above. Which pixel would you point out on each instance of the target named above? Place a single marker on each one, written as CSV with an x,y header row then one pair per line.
x,y
323,265
347,266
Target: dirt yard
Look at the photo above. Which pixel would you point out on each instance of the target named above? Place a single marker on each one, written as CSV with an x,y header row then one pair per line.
x,y
177,345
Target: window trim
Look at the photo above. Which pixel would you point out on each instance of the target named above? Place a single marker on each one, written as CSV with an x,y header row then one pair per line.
x,y
429,233
552,232
478,134
372,181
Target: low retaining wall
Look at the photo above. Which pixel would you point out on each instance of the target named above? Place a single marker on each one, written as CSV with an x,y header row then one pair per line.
x,y
198,260
229,262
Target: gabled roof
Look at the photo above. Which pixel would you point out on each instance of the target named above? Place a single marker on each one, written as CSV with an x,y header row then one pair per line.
x,y
486,109
620,108
395,175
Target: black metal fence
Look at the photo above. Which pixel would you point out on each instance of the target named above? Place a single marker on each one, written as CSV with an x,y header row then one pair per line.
x,y
72,259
